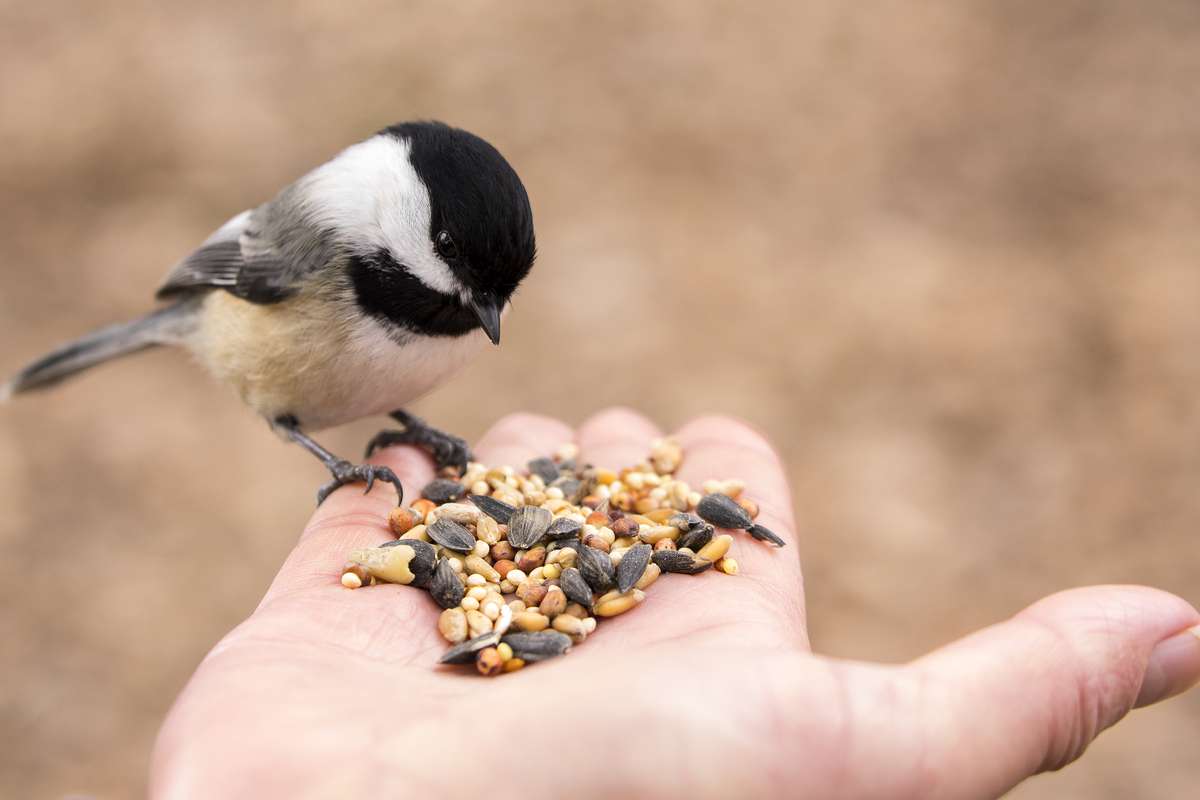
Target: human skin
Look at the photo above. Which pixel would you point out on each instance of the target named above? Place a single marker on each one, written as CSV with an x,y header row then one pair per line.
x,y
710,689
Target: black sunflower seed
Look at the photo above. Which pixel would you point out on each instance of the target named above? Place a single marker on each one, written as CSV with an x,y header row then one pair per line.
x,y
423,559
723,512
545,468
527,526
538,646
564,528
632,565
765,535
445,587
596,568
697,537
575,587
572,488
675,561
443,490
685,521
465,653
496,509
451,535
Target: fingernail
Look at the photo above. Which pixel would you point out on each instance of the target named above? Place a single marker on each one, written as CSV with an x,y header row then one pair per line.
x,y
1173,668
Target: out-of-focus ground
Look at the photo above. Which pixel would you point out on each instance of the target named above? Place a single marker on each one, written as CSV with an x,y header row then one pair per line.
x,y
945,257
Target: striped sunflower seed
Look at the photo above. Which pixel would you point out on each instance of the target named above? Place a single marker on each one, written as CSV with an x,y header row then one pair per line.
x,y
632,565
596,568
697,537
564,528
443,490
537,646
451,535
465,653
575,587
724,512
496,509
445,587
544,468
675,561
527,526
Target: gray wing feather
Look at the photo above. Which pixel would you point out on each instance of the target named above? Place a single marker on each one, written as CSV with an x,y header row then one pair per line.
x,y
260,255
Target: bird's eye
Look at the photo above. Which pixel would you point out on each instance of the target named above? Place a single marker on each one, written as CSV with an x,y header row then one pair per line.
x,y
445,246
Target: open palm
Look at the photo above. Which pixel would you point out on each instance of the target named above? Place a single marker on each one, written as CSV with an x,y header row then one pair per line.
x,y
708,689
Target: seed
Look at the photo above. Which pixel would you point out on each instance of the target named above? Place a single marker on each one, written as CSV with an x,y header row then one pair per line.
x,y
716,549
470,603
401,561
632,565
527,525
445,587
749,506
685,521
562,558
502,551
596,542
551,572
513,664
651,535
401,520
613,604
678,561
478,623
452,624
502,624
571,488
576,610
517,577
477,566
625,526
554,603
567,451
504,650
480,549
489,662
517,606
575,587
490,610
531,621
478,592
355,575
452,536
596,568
423,507
465,653
531,647
417,532
596,519
728,566
545,469
664,544
722,511
531,593
649,576
571,626
697,538
476,580
564,528
496,509
503,566
480,487
532,559
443,490
462,513
666,455
764,535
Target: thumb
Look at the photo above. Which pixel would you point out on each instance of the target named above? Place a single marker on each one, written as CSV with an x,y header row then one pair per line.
x,y
1030,694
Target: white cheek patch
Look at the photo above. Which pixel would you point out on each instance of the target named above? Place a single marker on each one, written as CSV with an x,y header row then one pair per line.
x,y
371,193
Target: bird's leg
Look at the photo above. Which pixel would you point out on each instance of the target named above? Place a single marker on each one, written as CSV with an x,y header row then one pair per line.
x,y
447,450
342,470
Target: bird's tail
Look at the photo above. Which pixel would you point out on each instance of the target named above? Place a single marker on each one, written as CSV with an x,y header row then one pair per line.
x,y
163,326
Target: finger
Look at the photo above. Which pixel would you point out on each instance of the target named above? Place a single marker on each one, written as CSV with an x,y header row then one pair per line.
x,y
1030,694
519,438
615,438
722,448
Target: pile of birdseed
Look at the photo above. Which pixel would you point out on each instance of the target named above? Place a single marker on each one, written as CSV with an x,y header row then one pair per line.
x,y
525,564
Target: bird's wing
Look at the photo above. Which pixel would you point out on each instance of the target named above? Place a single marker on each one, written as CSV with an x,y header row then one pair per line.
x,y
260,255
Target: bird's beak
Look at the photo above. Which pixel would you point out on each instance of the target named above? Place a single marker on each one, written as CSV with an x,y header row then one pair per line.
x,y
488,311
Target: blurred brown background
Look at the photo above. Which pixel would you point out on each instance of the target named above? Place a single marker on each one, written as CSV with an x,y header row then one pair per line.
x,y
950,251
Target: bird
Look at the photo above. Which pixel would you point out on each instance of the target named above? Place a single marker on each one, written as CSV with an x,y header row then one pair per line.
x,y
355,290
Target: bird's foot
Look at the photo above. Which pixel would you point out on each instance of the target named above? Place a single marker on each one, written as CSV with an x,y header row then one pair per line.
x,y
447,450
344,472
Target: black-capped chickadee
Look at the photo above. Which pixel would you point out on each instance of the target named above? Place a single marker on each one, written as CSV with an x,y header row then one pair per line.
x,y
357,289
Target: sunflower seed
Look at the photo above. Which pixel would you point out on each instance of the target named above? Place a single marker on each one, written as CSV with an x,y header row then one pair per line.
x,y
445,587
496,509
722,511
537,646
575,587
632,565
564,528
675,561
545,468
443,490
527,526
465,653
685,521
765,535
596,568
451,535
572,488
696,538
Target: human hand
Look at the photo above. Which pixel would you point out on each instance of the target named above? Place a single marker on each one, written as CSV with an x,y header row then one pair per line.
x,y
708,690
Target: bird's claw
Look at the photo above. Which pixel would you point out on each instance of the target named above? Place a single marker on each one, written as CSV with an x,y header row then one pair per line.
x,y
344,472
446,449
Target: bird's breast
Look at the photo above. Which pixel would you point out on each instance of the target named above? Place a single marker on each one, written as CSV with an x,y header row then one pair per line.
x,y
319,359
